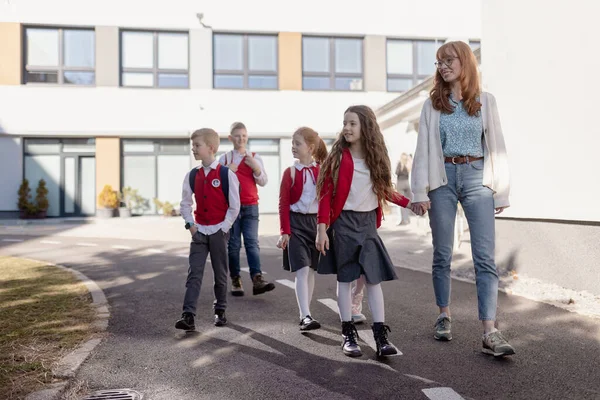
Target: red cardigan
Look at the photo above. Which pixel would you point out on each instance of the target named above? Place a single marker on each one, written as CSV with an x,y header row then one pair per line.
x,y
330,206
289,195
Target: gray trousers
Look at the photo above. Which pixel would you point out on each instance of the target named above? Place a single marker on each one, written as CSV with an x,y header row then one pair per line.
x,y
201,246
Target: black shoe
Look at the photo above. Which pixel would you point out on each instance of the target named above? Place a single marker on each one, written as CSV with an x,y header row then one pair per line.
x,y
220,319
236,286
384,347
308,323
186,322
350,336
261,286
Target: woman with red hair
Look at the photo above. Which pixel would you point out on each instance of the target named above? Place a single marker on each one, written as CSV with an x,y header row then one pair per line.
x,y
461,157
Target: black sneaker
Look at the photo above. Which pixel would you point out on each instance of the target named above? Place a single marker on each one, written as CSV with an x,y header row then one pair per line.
x,y
350,346
308,323
186,322
236,286
261,286
220,319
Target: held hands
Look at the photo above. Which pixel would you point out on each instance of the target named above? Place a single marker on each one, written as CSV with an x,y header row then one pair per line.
x,y
322,242
420,208
283,241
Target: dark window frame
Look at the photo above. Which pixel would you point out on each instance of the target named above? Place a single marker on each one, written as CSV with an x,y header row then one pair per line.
x,y
245,72
61,68
155,153
415,76
155,70
332,75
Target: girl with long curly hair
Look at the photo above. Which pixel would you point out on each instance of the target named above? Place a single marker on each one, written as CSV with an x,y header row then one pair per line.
x,y
461,157
354,183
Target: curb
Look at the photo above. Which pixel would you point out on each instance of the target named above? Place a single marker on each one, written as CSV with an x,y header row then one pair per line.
x,y
67,367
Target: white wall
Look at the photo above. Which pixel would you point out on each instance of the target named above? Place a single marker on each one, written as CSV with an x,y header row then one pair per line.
x,y
430,18
167,113
544,74
11,165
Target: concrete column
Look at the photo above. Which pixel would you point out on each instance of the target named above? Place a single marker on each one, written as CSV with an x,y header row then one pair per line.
x,y
107,56
201,59
108,163
10,53
290,60
375,63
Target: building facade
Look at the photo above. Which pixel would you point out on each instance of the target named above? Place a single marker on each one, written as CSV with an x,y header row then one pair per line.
x,y
110,92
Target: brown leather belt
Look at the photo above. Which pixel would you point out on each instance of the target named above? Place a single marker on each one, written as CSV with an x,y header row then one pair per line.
x,y
461,159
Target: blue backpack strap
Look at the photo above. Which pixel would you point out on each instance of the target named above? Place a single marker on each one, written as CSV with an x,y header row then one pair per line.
x,y
224,176
193,173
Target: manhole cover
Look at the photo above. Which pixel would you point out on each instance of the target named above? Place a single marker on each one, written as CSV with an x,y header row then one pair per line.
x,y
114,394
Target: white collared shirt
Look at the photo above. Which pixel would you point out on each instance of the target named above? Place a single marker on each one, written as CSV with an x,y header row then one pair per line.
x,y
308,203
187,202
361,196
236,158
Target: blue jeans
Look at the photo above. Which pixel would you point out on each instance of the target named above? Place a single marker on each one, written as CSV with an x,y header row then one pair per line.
x,y
245,225
465,185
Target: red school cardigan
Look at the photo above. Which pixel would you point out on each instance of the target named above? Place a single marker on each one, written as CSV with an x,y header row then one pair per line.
x,y
289,194
330,206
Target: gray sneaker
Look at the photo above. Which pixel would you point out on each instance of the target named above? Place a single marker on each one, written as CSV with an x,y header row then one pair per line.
x,y
443,329
496,345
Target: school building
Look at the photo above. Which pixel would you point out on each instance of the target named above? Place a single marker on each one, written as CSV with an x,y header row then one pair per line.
x,y
109,92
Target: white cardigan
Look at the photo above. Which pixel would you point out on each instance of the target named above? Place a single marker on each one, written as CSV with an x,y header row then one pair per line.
x,y
428,171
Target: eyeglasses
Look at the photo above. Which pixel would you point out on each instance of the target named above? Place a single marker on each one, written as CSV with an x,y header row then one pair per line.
x,y
446,61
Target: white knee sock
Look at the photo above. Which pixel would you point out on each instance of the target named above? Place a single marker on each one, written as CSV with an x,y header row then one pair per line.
x,y
344,299
303,290
375,295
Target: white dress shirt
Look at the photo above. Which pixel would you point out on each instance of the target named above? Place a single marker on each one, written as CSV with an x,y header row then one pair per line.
x,y
236,158
308,203
187,202
361,196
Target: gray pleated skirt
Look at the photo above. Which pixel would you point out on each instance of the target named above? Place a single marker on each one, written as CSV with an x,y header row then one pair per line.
x,y
301,250
355,248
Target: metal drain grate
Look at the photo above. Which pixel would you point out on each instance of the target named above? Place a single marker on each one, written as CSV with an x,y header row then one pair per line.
x,y
114,394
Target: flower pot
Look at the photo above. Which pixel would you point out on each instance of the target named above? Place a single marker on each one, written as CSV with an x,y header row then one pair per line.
x,y
124,212
41,214
105,212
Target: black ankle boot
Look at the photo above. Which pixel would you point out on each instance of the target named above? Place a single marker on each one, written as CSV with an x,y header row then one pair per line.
x,y
384,347
186,322
350,336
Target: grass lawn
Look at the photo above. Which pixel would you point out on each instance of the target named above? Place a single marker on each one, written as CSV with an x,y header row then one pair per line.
x,y
45,313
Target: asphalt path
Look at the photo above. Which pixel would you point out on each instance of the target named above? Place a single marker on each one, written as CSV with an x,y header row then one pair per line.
x,y
261,354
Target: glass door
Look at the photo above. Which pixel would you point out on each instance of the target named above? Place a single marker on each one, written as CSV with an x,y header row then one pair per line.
x,y
79,189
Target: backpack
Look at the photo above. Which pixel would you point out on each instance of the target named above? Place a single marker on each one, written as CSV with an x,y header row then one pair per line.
x,y
223,176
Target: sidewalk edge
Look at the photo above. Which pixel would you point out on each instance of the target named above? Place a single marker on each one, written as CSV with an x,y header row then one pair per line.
x,y
68,366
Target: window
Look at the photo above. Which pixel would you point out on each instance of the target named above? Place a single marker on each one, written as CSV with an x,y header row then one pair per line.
x,y
245,61
332,63
475,44
155,168
154,59
60,56
409,62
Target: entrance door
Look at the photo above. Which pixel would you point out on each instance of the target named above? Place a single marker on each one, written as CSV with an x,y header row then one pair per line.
x,y
79,193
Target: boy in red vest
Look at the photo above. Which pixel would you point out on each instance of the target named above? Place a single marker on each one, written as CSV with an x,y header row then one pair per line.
x,y
215,190
250,171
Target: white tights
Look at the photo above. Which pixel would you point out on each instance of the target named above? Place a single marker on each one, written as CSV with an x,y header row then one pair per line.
x,y
305,285
374,293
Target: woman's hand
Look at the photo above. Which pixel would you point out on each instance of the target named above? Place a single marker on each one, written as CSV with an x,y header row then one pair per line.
x,y
322,242
421,207
283,241
498,210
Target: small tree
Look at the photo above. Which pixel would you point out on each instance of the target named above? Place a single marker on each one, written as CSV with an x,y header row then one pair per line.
x,y
24,196
108,198
41,196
